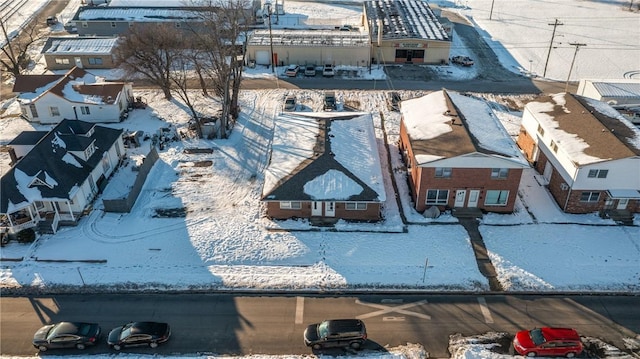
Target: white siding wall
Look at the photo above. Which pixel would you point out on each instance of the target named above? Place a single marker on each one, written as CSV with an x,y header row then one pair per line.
x,y
620,175
97,113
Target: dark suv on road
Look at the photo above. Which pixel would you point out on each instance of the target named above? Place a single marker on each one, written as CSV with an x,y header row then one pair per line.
x,y
336,333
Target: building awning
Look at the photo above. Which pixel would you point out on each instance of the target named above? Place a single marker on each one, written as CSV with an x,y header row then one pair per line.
x,y
624,193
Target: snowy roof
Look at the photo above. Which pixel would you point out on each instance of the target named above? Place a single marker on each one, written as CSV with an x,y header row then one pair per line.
x,y
79,45
322,157
618,89
587,130
160,3
139,14
291,37
76,85
446,124
51,162
404,19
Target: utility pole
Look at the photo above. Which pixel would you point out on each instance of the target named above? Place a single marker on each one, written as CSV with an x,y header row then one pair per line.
x,y
273,70
491,12
553,35
577,45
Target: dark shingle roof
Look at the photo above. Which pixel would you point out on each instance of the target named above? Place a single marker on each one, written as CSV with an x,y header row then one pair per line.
x,y
52,162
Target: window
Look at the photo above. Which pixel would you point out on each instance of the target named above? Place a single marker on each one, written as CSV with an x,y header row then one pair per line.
x,y
437,196
85,110
89,151
61,61
540,130
106,165
589,196
178,25
499,172
496,198
554,147
113,24
34,111
95,61
598,173
85,24
444,172
356,206
54,111
290,205
92,184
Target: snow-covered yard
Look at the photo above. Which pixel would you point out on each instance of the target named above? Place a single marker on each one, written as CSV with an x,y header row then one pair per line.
x,y
225,241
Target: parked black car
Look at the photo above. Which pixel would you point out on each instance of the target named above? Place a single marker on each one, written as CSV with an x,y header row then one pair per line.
x,y
66,335
336,333
139,333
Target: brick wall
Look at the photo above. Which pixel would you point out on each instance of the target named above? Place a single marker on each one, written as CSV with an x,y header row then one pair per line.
x,y
372,213
526,144
470,179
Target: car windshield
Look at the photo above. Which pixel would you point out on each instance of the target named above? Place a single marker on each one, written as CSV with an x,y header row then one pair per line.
x,y
126,331
536,336
323,330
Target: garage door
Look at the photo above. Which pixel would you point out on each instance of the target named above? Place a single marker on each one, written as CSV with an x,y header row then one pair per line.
x,y
262,58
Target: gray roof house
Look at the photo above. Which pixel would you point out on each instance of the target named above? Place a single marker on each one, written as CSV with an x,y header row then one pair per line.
x,y
57,175
325,167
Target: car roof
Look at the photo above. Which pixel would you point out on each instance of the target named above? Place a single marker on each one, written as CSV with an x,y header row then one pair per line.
x,y
69,327
345,325
148,327
560,333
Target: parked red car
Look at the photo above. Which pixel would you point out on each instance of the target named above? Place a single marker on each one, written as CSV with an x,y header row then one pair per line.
x,y
548,342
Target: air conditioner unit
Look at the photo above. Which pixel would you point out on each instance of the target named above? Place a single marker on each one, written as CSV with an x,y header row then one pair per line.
x,y
564,186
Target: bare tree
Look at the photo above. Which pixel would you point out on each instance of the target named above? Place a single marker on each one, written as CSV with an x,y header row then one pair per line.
x,y
180,77
150,50
16,49
220,40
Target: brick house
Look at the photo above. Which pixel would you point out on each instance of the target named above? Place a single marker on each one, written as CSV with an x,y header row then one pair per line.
x,y
587,153
458,155
324,166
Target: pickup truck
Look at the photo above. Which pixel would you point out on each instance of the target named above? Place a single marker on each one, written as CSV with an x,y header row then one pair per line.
x,y
329,101
462,60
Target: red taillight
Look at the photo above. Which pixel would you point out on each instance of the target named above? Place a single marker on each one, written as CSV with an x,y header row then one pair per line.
x,y
364,337
92,340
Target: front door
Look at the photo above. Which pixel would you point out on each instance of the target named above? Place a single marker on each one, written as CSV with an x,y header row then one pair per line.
x,y
473,198
330,209
547,172
622,203
316,209
460,196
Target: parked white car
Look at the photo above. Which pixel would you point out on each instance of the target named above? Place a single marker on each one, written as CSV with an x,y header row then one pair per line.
x,y
328,71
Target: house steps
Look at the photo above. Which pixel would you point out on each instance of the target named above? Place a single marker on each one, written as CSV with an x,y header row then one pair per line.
x,y
467,212
620,216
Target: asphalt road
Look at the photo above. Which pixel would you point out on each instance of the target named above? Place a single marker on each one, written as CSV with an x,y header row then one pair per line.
x,y
262,324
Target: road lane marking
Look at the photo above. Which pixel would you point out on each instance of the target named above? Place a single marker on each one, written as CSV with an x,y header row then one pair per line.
x,y
485,310
299,309
400,309
393,319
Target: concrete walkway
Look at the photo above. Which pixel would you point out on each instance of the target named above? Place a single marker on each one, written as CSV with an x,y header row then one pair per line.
x,y
485,266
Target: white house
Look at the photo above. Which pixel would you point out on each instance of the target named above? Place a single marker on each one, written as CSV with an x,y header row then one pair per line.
x,y
49,99
588,154
55,181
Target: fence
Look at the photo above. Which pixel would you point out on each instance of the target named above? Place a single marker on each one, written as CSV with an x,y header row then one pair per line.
x,y
124,205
